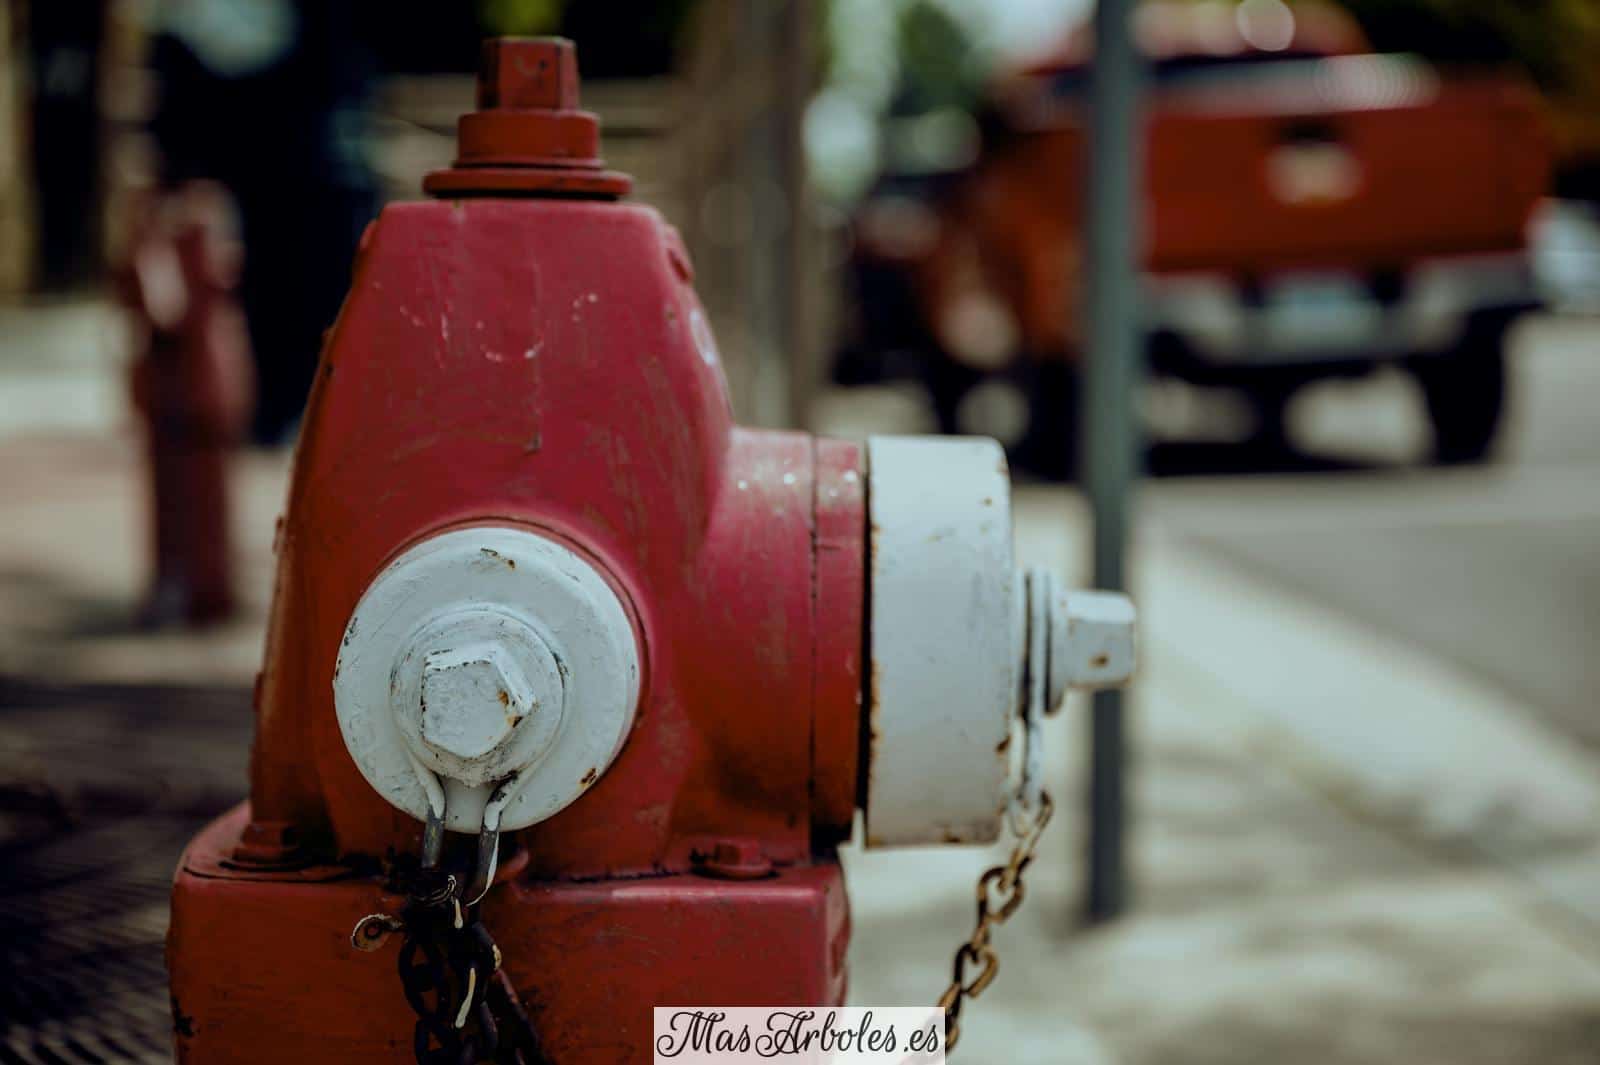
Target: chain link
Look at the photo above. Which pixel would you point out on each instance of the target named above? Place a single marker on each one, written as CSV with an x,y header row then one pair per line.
x,y
1000,895
450,972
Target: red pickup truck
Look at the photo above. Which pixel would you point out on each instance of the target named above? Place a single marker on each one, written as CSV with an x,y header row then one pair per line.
x,y
1311,210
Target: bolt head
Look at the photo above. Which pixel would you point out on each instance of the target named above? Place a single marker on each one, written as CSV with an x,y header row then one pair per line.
x,y
1093,642
528,74
472,697
734,859
269,844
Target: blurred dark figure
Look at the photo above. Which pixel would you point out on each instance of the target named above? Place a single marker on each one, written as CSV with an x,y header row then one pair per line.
x,y
64,47
268,97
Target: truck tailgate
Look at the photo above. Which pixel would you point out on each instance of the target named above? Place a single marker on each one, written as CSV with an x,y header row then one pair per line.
x,y
1358,162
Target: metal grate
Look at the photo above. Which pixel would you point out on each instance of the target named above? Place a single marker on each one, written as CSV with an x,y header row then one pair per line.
x,y
100,788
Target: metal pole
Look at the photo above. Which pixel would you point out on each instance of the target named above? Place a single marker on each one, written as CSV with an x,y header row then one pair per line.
x,y
1111,432
803,274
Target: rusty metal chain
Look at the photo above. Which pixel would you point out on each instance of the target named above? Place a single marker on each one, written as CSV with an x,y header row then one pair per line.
x,y
1000,895
439,973
467,1009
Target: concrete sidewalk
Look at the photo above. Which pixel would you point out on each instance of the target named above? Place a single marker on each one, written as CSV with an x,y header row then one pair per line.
x,y
1345,852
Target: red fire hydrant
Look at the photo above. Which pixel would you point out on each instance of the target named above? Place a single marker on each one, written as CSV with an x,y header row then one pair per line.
x,y
573,686
193,385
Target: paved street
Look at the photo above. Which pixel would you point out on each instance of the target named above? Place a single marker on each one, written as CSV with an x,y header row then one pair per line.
x,y
1368,776
1493,569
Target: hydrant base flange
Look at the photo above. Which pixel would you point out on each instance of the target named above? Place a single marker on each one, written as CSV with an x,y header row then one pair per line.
x,y
680,939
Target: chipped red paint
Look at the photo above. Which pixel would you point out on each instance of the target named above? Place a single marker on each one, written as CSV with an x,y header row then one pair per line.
x,y
544,362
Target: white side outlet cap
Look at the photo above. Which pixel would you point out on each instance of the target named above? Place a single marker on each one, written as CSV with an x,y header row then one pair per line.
x,y
945,633
954,633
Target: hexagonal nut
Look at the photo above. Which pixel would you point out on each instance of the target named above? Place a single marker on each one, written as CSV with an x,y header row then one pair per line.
x,y
522,74
472,698
1093,642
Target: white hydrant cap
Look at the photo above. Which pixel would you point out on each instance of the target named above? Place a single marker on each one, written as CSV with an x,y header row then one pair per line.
x,y
951,627
483,655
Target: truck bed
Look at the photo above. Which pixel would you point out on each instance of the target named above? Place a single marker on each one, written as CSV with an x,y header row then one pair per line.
x,y
1361,162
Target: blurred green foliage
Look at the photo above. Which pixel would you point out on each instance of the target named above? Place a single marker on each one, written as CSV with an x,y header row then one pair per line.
x,y
939,65
520,18
1555,41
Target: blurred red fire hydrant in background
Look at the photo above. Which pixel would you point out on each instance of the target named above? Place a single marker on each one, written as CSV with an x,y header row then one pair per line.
x,y
193,385
572,686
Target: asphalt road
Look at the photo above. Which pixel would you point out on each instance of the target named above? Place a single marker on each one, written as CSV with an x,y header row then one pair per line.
x,y
1495,568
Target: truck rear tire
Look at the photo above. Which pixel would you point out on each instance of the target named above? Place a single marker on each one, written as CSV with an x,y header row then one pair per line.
x,y
1465,393
948,382
1049,447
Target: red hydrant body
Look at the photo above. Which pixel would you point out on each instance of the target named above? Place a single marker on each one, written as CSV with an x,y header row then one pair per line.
x,y
531,355
535,588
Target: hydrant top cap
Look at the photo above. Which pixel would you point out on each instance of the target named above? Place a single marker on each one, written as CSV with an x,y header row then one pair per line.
x,y
528,74
528,137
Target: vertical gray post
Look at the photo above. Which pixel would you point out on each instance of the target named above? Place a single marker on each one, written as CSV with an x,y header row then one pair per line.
x,y
802,286
1111,437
